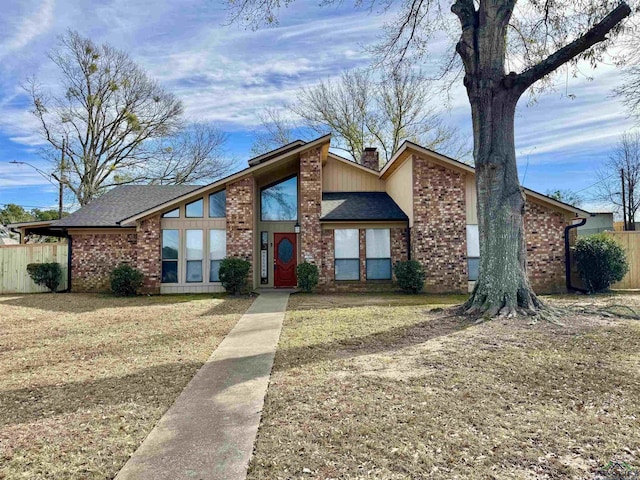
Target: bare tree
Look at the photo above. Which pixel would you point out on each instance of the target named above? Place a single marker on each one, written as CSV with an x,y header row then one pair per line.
x,y
109,117
620,178
195,153
362,110
276,129
505,48
567,196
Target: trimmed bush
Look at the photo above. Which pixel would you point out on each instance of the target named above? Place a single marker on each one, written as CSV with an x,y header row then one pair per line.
x,y
125,280
601,262
233,274
410,275
308,276
45,274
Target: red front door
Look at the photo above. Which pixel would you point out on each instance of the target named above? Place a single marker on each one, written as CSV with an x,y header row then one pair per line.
x,y
284,260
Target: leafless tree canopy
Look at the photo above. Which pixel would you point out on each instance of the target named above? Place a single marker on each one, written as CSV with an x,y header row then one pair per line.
x,y
111,118
362,110
567,196
622,170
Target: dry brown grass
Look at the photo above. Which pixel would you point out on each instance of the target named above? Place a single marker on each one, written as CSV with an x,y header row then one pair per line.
x,y
84,378
385,388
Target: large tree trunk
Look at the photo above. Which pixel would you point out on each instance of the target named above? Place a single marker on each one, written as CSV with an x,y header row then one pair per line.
x,y
502,286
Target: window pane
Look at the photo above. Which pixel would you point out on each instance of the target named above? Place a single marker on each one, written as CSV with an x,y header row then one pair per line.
x,y
214,270
280,201
474,265
378,243
194,245
194,271
379,269
347,243
194,209
172,214
217,244
169,272
218,204
170,244
347,269
473,241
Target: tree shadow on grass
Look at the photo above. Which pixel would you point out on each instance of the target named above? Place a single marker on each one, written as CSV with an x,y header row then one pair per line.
x,y
305,302
388,340
89,302
153,386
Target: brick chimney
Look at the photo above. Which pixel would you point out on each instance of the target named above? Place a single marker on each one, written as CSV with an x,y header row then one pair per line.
x,y
370,158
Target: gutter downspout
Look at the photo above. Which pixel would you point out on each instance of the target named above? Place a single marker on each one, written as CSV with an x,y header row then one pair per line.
x,y
567,256
408,241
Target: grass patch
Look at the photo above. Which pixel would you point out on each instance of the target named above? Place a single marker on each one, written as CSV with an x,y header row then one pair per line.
x,y
386,387
84,378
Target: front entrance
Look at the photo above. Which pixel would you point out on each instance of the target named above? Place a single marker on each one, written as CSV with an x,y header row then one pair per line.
x,y
284,260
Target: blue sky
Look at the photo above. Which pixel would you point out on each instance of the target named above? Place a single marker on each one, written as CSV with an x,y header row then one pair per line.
x,y
227,74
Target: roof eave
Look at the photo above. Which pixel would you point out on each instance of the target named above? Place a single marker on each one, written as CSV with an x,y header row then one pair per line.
x,y
223,181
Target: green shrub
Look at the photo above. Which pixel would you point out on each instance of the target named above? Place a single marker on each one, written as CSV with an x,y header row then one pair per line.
x,y
46,274
308,276
601,261
410,275
233,274
125,280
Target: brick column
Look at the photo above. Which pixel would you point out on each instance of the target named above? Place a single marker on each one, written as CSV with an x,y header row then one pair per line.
x,y
327,265
438,236
398,246
240,206
149,254
544,234
310,205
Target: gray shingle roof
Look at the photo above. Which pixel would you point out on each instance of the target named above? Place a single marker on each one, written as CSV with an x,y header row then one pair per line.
x,y
360,206
122,202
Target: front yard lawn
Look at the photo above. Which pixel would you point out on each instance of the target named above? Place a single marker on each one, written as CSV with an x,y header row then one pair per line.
x,y
84,378
387,388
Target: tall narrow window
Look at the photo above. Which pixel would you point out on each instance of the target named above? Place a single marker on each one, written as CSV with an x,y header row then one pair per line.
x,y
194,209
280,201
347,254
217,251
218,204
170,249
194,255
378,254
473,252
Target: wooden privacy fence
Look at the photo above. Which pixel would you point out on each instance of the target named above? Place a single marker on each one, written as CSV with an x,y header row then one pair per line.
x,y
15,258
630,241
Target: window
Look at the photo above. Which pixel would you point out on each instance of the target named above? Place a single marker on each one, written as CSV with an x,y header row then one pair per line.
x,y
280,201
378,254
194,255
170,249
194,209
347,254
473,252
217,251
218,204
172,214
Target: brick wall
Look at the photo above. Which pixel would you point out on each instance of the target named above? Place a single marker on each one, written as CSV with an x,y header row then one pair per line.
x,y
438,235
240,211
310,205
94,256
544,229
327,281
149,260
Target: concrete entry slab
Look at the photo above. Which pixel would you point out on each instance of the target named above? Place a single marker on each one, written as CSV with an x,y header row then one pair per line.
x,y
209,431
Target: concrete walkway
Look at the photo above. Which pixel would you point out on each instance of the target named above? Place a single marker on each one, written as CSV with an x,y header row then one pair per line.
x,y
208,433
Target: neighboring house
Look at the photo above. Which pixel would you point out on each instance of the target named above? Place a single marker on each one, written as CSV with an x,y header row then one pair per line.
x,y
354,222
6,237
596,223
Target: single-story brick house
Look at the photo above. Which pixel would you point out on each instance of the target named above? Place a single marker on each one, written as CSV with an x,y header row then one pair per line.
x,y
302,202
